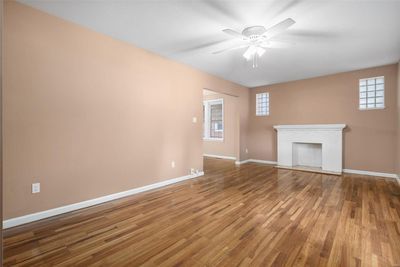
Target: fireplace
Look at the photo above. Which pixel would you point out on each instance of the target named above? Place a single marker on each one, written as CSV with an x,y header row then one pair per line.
x,y
316,147
307,155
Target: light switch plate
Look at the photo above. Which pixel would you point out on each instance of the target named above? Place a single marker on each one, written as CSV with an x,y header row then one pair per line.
x,y
35,188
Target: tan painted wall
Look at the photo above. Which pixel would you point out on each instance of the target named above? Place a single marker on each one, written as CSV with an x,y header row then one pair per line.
x,y
398,119
87,115
1,132
370,135
227,146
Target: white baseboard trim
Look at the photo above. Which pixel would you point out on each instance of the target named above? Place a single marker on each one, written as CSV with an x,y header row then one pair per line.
x,y
370,173
256,161
91,202
218,156
264,161
241,162
381,174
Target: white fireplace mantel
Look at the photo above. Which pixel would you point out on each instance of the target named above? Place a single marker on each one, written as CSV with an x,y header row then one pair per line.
x,y
327,137
320,127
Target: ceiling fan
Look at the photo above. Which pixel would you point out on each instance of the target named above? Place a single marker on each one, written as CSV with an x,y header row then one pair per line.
x,y
256,39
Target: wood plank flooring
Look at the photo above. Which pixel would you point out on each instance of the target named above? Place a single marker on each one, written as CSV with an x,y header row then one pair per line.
x,y
252,215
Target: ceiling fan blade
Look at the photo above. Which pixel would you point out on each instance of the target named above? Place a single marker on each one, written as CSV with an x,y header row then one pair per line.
x,y
230,48
278,28
234,34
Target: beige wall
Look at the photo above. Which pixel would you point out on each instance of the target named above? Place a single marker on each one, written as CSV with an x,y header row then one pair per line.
x,y
398,119
86,115
1,132
370,135
227,146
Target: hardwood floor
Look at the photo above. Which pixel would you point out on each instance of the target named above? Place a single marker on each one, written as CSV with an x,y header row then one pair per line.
x,y
252,215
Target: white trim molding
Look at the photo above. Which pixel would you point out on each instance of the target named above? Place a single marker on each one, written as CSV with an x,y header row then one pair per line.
x,y
219,156
381,174
210,139
207,119
241,162
263,161
320,127
256,161
369,173
91,202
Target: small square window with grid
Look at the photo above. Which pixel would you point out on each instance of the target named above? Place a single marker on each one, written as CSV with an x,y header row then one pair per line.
x,y
262,104
372,93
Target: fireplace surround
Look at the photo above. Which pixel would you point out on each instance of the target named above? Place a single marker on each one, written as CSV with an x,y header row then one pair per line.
x,y
315,147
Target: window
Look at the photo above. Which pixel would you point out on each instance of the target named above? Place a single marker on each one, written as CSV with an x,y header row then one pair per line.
x,y
262,104
372,93
213,122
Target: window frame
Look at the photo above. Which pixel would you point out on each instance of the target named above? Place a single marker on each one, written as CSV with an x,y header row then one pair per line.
x,y
207,119
359,93
267,104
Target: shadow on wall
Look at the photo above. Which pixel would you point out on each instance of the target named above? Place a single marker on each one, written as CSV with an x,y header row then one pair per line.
x,y
346,130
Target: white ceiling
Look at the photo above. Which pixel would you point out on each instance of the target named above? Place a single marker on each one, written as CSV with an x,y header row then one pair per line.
x,y
330,36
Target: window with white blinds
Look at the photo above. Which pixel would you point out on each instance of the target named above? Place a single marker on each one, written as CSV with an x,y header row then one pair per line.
x,y
372,93
213,119
262,104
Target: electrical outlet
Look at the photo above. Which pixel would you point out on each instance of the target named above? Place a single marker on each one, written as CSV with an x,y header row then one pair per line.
x,y
194,119
194,171
172,164
35,188
247,151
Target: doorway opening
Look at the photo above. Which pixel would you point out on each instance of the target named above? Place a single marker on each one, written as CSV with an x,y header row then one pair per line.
x,y
220,125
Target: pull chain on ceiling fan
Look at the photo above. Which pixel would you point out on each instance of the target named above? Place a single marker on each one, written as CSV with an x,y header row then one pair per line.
x,y
257,39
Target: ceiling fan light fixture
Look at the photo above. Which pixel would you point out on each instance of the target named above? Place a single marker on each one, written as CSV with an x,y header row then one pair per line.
x,y
256,39
260,51
252,51
249,53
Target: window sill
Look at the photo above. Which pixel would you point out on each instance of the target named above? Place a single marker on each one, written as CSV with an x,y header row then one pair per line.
x,y
214,139
366,109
